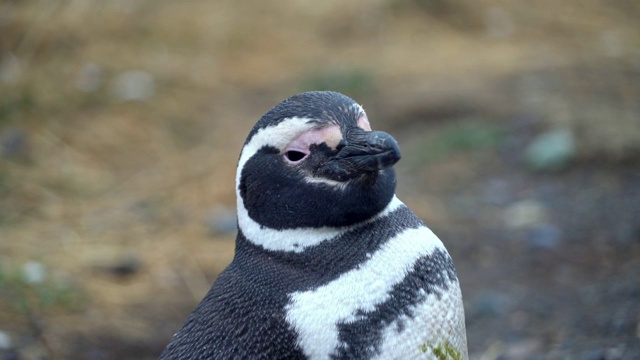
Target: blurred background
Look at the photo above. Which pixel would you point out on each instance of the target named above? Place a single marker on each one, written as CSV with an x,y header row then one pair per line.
x,y
121,123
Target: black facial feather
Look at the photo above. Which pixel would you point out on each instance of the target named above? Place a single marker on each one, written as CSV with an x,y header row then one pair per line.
x,y
281,196
277,196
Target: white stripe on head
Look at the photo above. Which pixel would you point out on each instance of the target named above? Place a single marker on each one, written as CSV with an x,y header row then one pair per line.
x,y
315,314
278,136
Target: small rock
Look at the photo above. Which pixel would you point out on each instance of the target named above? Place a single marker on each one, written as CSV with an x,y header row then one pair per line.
x,y
552,150
5,341
90,78
525,214
134,85
33,272
525,349
120,265
546,236
221,221
615,353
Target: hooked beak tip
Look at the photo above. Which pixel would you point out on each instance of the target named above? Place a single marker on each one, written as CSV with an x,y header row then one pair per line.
x,y
365,152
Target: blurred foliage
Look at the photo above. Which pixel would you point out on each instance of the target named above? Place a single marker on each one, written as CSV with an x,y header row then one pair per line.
x,y
458,138
28,297
15,103
356,83
5,186
443,351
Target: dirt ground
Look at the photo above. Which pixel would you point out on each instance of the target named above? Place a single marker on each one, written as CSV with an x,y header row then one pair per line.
x,y
121,123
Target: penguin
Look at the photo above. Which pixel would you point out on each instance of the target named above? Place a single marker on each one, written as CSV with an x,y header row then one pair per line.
x,y
328,263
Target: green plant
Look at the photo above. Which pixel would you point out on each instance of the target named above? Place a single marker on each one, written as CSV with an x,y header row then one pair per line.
x,y
459,138
443,351
352,82
29,297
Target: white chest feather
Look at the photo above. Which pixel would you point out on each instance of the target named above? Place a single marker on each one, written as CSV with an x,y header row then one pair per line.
x,y
437,319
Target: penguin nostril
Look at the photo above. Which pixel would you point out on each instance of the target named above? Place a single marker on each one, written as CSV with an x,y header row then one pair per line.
x,y
294,156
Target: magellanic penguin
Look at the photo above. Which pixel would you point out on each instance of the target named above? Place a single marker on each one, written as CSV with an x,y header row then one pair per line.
x,y
328,263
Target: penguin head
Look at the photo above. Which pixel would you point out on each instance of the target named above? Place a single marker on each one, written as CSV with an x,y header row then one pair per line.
x,y
312,161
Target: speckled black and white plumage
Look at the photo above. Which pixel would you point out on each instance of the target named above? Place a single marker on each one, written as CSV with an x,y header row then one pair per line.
x,y
329,264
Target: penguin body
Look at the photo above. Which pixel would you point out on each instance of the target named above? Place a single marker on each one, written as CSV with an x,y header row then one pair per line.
x,y
329,264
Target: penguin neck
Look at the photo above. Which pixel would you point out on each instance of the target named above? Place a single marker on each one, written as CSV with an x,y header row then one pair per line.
x,y
299,239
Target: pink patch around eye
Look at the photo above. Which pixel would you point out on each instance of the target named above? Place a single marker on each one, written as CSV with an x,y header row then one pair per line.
x,y
363,123
330,135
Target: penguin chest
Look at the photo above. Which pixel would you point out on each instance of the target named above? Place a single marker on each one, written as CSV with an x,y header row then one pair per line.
x,y
402,302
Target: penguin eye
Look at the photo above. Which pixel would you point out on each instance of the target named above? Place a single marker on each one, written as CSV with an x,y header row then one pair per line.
x,y
294,156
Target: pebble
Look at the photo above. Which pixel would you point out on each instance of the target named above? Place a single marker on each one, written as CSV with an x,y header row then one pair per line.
x,y
524,349
33,272
121,265
552,150
615,353
525,214
5,341
134,85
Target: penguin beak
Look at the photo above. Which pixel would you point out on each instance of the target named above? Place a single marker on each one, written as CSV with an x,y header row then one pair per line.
x,y
365,152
